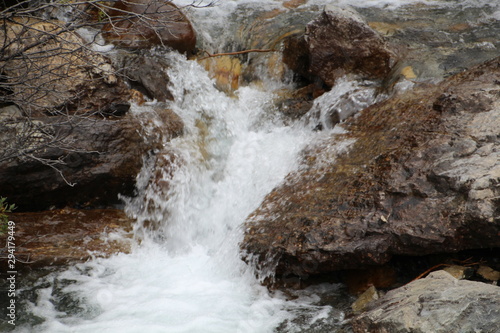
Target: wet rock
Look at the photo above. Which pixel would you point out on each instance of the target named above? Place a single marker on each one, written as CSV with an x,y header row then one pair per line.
x,y
337,43
418,307
226,71
61,236
416,174
100,158
371,294
143,24
295,104
147,73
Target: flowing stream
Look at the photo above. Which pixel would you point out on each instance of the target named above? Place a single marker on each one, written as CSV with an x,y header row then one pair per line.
x,y
184,273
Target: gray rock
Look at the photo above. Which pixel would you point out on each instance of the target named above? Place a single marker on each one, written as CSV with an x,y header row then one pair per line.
x,y
439,304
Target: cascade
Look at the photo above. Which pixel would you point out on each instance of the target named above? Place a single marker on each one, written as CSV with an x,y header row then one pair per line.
x,y
184,273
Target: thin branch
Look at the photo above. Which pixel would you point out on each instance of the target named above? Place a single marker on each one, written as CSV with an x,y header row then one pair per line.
x,y
235,53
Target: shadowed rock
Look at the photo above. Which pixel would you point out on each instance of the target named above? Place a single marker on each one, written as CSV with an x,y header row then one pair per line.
x,y
101,157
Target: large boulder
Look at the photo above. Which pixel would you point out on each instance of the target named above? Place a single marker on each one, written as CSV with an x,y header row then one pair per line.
x,y
337,43
439,303
414,175
143,24
99,158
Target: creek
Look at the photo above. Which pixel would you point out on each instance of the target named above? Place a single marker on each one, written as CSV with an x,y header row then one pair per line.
x,y
184,273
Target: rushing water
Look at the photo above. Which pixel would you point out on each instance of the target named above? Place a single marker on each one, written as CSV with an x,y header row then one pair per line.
x,y
184,273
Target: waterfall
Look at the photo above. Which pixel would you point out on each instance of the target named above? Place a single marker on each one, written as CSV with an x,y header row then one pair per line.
x,y
184,273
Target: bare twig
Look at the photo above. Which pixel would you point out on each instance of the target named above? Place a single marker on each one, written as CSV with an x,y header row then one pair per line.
x,y
235,53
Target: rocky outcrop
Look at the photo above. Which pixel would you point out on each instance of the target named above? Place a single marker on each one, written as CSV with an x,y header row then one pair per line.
x,y
337,43
100,158
438,303
59,237
143,24
414,175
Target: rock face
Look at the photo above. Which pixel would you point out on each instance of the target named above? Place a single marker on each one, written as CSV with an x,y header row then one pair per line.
x,y
438,303
337,43
101,157
142,24
61,236
414,175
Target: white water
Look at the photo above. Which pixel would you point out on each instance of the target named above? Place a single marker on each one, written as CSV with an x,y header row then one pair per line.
x,y
187,276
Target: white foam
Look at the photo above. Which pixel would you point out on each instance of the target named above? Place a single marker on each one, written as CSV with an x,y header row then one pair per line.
x,y
191,279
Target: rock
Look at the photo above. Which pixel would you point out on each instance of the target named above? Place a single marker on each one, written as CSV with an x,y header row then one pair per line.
x,y
68,78
147,73
384,28
101,157
297,57
416,174
296,103
459,272
294,3
488,273
438,303
337,43
371,294
226,71
69,235
380,277
408,73
149,23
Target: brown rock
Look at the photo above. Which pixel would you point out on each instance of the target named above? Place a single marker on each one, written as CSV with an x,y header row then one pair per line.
x,y
226,71
337,43
101,157
459,272
68,235
294,3
147,73
488,273
340,42
142,24
359,280
414,175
